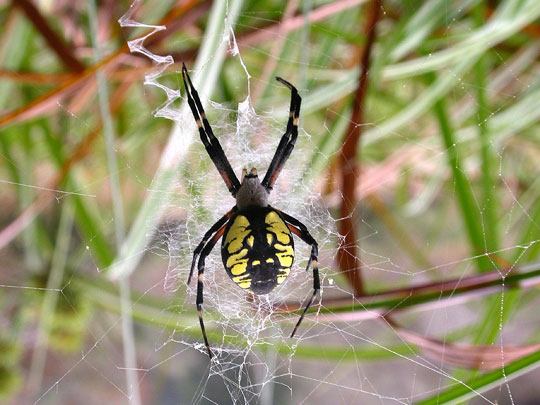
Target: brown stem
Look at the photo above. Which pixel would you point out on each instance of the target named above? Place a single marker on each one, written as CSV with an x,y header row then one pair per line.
x,y
35,78
44,102
347,255
55,42
452,289
44,197
48,100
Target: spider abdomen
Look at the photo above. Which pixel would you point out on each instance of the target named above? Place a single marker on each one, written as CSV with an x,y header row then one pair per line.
x,y
257,249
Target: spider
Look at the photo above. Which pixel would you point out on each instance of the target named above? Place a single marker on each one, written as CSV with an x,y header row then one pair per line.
x,y
257,245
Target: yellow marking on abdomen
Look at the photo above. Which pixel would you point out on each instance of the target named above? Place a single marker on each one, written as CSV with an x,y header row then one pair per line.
x,y
236,234
285,261
234,259
255,262
285,254
237,263
278,227
269,260
239,268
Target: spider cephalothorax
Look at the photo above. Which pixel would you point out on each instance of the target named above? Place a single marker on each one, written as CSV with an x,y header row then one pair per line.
x,y
251,192
257,246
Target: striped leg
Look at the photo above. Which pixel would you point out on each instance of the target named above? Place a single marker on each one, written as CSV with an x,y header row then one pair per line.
x,y
199,301
301,231
287,141
210,142
216,227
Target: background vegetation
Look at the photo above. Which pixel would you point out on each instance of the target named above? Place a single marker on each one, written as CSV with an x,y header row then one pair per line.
x,y
420,137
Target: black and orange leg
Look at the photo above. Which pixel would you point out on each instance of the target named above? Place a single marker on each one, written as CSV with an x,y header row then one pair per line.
x,y
210,142
299,229
286,144
215,228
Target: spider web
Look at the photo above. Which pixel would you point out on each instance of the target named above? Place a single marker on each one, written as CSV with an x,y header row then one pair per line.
x,y
256,361
236,316
251,371
228,310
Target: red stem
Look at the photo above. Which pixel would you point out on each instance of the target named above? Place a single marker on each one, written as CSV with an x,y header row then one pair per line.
x,y
347,255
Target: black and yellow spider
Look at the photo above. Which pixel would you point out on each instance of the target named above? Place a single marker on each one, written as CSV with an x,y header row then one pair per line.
x,y
257,247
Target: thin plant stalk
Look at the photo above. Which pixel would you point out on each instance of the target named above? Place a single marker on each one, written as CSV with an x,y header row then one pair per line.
x,y
50,298
130,355
485,382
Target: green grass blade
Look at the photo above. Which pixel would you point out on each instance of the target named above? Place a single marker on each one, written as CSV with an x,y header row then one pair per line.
x,y
489,203
483,383
161,314
468,206
508,19
128,339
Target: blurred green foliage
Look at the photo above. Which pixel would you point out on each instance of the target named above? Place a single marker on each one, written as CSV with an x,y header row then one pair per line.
x,y
448,186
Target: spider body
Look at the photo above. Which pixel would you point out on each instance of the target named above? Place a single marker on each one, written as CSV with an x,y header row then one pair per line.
x,y
257,249
257,246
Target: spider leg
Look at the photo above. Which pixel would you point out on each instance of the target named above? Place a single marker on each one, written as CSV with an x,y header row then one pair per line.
x,y
216,227
287,141
199,301
300,230
210,142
